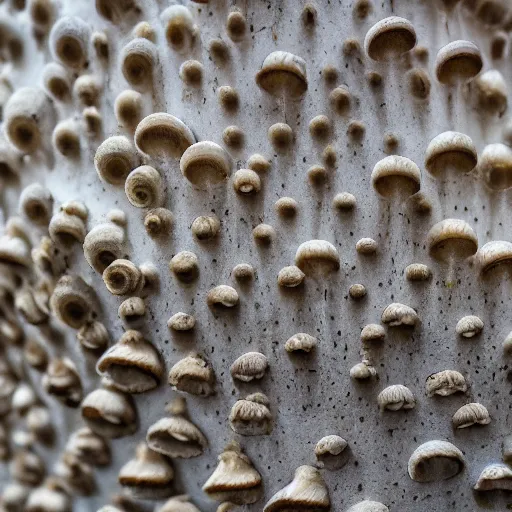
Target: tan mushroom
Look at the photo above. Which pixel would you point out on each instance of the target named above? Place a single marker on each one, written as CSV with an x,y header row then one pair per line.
x,y
445,383
397,315
458,61
317,257
396,397
434,461
396,176
250,366
497,476
251,416
471,414
469,326
389,38
193,375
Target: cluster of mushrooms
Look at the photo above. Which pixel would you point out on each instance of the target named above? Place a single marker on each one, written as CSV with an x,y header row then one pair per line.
x,y
38,285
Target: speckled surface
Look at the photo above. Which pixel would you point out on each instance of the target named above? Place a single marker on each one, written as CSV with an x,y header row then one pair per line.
x,y
313,396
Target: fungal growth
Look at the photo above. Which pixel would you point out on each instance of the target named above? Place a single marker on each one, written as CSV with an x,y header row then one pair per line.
x,y
193,375
389,38
396,397
446,383
222,296
492,255
248,367
471,414
290,277
397,315
251,416
495,166
104,244
332,452
469,326
235,479
62,380
396,177
114,160
301,343
458,61
317,258
368,506
434,461
494,477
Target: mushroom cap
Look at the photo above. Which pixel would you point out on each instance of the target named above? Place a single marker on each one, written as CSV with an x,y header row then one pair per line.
x,y
458,61
497,476
161,135
301,342
103,245
496,166
362,371
417,272
89,447
290,277
396,175
251,416
317,257
397,314
434,461
176,437
469,326
372,332
179,503
222,296
471,414
181,322
194,375
330,445
14,250
283,73
368,506
249,366
389,38
396,397
450,150
445,383
306,491
451,238
490,93
205,163
494,254
114,159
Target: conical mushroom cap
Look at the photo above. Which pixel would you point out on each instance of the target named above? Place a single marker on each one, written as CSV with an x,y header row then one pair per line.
x,y
306,491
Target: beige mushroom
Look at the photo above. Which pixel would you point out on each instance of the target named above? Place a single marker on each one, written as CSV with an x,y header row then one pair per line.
x,y
368,506
89,447
362,371
445,383
104,244
396,176
471,414
395,398
389,38
179,503
193,375
222,296
139,58
301,342
332,452
396,315
290,277
317,257
69,39
181,322
497,476
458,61
495,254
451,239
469,326
417,272
251,416
495,166
434,461
250,366
450,151
114,159
62,380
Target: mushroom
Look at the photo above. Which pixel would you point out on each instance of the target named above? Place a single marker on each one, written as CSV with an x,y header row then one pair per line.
x,y
434,461
52,496
89,447
139,58
132,365
396,176
180,29
193,375
362,371
235,479
458,61
368,506
148,476
243,272
496,166
68,225
132,312
250,366
395,398
489,91
301,342
63,381
494,254
222,296
23,398
366,246
179,503
471,414
144,187
181,322
122,277
27,467
417,272
69,40
176,436
290,277
445,383
397,315
251,416
158,222
497,476
185,266
331,452
205,164
205,227
306,491
93,336
389,38
36,204
76,474
450,151
104,244
114,159
317,257
469,326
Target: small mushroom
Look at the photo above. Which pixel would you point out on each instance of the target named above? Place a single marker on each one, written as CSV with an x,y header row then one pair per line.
x,y
52,496
158,222
494,254
139,58
286,207
185,266
222,296
89,447
458,61
181,322
132,312
205,164
344,201
497,476
489,91
368,506
148,476
362,371
496,166
258,163
23,398
280,136
104,244
417,272
396,176
144,187
331,452
301,342
179,503
357,291
205,227
128,108
389,38
27,467
132,365
367,246
36,204
317,257
264,234
193,375
306,491
395,398
235,479
451,239
397,315
290,277
93,336
76,474
246,181
471,414
191,72
243,272
469,326
62,380
446,383
250,366
68,225
122,277
180,29
434,461
114,159
251,416
69,40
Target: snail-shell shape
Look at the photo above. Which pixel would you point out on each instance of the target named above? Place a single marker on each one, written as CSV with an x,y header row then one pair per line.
x,y
246,181
89,447
205,227
451,238
397,314
53,496
28,115
301,342
250,366
87,89
494,477
56,81
396,397
69,41
32,303
180,30
139,58
132,365
417,272
331,452
317,257
148,476
471,414
193,375
36,203
73,301
114,159
144,187
494,254
243,272
122,277
251,416
490,92
290,277
446,383
368,506
176,437
235,479
158,222
104,244
205,163
434,461
307,491
181,322
162,135
63,381
372,333
283,73
222,296
469,326
450,150
128,108
109,413
66,138
132,311
396,175
67,226
93,336
496,166
458,61
179,503
185,266
35,355
362,371
389,38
